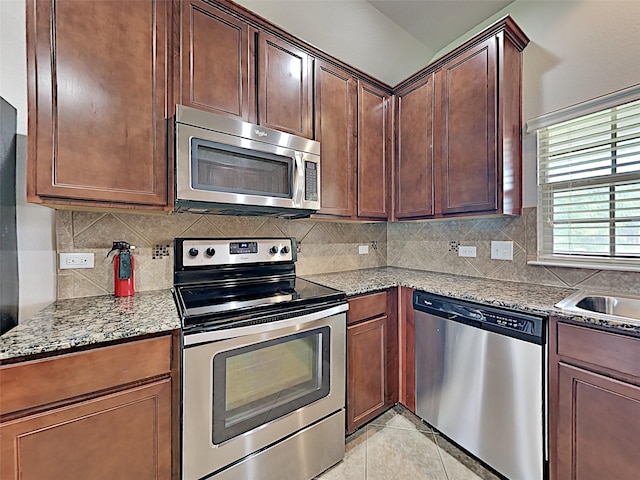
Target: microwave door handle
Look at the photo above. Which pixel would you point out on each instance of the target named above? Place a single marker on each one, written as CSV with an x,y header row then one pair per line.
x,y
298,182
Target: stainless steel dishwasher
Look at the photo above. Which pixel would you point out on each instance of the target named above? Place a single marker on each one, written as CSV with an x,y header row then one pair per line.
x,y
480,380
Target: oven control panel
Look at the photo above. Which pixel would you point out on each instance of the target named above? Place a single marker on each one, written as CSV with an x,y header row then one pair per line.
x,y
204,252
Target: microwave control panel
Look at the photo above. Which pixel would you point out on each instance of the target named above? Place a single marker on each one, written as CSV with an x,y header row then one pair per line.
x,y
310,181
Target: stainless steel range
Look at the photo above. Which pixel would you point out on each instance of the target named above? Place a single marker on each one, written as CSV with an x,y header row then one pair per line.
x,y
263,362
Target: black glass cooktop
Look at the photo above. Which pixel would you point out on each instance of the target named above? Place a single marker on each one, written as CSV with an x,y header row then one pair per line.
x,y
212,304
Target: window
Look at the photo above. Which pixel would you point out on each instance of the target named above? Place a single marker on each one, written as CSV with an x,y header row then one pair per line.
x,y
589,189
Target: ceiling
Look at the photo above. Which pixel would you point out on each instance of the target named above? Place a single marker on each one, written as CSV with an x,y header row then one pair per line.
x,y
436,23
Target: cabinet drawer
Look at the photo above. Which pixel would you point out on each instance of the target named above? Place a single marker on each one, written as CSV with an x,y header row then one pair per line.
x,y
39,382
367,306
615,352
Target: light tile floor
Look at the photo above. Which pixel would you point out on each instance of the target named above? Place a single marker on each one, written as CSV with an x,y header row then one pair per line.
x,y
398,446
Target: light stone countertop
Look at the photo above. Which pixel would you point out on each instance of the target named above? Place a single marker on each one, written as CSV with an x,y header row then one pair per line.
x,y
523,297
85,321
79,322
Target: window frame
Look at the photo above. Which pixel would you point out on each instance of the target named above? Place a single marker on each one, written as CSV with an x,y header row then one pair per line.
x,y
546,252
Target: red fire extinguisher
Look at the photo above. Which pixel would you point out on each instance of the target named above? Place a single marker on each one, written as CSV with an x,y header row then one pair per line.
x,y
122,269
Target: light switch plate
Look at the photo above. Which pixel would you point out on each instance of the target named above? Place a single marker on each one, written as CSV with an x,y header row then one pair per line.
x,y
363,249
502,250
76,260
466,251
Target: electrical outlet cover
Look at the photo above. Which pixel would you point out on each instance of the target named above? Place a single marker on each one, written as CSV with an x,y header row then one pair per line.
x,y
502,250
466,251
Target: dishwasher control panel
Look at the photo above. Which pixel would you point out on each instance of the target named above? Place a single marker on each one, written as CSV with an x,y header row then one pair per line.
x,y
521,325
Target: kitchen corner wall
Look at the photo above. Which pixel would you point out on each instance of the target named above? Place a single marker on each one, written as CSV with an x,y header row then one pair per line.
x,y
426,246
323,247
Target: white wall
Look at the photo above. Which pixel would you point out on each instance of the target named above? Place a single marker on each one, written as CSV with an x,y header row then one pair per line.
x,y
35,224
353,31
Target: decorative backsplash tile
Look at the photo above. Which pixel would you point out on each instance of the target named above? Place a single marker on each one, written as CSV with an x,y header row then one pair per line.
x,y
324,247
427,246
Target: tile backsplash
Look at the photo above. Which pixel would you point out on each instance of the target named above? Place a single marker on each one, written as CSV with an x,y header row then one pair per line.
x,y
324,247
426,246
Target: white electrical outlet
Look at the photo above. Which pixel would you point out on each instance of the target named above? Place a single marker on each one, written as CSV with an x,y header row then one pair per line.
x,y
502,250
76,260
363,249
466,251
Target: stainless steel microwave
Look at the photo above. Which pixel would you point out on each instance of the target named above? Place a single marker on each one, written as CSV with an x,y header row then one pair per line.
x,y
227,166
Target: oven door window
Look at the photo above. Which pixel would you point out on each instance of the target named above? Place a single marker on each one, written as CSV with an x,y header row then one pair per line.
x,y
224,168
258,383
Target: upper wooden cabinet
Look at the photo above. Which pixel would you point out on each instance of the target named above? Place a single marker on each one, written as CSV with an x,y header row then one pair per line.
x,y
285,88
97,88
466,131
375,133
229,67
471,102
335,112
353,126
414,159
215,68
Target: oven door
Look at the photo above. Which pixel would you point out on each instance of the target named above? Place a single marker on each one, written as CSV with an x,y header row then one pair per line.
x,y
245,393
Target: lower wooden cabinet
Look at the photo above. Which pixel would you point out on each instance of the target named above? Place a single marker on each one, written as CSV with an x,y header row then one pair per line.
x,y
372,357
121,428
126,435
595,404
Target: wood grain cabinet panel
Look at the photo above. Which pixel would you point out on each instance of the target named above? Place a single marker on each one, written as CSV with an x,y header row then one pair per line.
x,y
414,160
598,426
372,357
97,88
594,410
374,149
366,362
335,113
466,131
216,64
285,88
459,124
104,413
126,435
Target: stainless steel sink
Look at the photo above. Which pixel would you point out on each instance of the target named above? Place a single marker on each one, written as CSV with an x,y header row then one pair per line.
x,y
607,305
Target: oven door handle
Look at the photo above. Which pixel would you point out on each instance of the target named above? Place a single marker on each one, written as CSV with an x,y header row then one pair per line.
x,y
191,339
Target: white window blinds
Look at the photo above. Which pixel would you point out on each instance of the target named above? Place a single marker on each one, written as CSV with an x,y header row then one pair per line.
x,y
589,188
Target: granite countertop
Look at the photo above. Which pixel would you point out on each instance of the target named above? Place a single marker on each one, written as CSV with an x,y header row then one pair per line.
x,y
523,297
79,322
85,321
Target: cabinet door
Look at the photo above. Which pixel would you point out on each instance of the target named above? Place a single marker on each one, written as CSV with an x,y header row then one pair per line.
x,y
216,70
598,426
97,101
466,131
414,163
335,109
285,91
126,435
366,371
374,147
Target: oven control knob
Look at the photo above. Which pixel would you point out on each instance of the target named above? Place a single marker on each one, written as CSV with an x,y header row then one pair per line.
x,y
210,252
284,250
193,252
273,250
